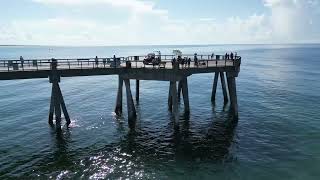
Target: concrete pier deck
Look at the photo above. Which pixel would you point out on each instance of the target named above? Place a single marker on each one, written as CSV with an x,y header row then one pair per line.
x,y
41,68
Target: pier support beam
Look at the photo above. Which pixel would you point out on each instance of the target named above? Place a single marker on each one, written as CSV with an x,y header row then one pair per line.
x,y
57,107
174,96
132,115
118,109
224,89
223,85
214,87
63,106
137,90
51,111
185,93
170,98
179,90
57,102
233,95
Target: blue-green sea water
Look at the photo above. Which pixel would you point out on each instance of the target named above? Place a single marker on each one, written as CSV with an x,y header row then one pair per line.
x,y
277,135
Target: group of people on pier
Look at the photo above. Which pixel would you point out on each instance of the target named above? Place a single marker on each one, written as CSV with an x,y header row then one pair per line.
x,y
183,61
115,60
186,61
230,56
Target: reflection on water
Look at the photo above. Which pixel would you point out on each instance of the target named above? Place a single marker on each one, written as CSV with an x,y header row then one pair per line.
x,y
61,157
143,147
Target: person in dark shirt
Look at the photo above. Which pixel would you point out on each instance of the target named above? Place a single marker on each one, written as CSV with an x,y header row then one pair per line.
x,y
22,61
195,59
212,56
180,61
173,61
96,61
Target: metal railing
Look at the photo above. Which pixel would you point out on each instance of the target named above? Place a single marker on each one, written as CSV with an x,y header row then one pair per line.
x,y
199,61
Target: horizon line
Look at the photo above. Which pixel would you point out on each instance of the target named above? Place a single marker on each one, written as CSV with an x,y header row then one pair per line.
x,y
218,44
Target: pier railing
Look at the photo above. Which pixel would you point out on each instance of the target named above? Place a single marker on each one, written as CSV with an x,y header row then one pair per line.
x,y
203,61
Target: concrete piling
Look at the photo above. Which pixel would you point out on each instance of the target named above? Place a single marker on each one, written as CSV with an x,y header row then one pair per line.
x,y
175,108
51,111
233,94
57,102
137,90
185,93
224,89
118,109
63,106
130,105
214,87
231,85
57,107
170,98
179,90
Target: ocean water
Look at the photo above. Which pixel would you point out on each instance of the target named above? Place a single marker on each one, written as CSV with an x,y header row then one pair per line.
x,y
277,135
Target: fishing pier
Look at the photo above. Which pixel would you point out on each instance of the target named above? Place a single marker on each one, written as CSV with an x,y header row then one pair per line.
x,y
129,68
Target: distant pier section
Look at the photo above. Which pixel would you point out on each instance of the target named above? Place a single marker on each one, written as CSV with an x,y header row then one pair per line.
x,y
171,68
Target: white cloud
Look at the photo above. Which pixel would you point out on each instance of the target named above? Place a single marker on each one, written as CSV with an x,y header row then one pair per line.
x,y
64,31
140,29
275,3
294,20
149,25
134,5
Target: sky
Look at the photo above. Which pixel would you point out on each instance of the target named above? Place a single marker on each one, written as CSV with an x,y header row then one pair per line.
x,y
158,22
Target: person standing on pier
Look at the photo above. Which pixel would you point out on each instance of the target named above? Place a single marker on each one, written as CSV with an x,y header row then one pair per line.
x,y
22,61
195,59
189,62
96,61
180,61
116,61
173,61
104,61
231,56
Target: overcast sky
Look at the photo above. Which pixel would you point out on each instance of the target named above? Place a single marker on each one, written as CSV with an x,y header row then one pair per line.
x,y
145,22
